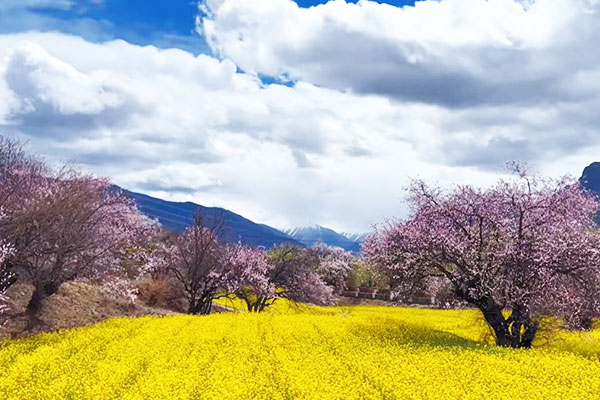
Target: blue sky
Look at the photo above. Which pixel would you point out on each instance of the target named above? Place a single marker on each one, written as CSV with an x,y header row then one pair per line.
x,y
163,23
130,17
446,91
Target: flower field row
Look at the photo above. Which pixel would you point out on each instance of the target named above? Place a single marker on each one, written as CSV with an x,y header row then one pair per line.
x,y
324,353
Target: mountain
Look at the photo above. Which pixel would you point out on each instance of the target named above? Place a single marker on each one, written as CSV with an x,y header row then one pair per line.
x,y
176,217
355,237
590,179
310,235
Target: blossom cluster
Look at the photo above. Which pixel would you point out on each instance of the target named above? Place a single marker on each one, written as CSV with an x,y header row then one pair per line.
x,y
6,250
120,288
334,264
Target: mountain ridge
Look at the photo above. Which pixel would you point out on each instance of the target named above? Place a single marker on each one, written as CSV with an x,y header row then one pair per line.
x,y
590,177
177,216
311,235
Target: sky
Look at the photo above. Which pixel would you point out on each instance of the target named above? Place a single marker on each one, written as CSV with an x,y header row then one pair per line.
x,y
308,112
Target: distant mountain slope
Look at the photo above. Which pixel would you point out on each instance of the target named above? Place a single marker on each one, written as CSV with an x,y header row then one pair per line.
x,y
176,217
590,179
313,234
355,237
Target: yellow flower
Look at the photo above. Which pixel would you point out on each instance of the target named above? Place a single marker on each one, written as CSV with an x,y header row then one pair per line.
x,y
294,352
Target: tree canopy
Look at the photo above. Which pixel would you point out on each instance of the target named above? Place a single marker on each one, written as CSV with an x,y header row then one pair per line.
x,y
525,248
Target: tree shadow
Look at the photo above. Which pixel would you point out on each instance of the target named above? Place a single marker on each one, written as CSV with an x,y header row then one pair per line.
x,y
417,336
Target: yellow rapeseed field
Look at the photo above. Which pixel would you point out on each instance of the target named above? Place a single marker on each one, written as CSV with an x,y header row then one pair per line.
x,y
298,353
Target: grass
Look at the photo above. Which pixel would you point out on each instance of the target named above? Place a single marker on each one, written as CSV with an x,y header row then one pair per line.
x,y
298,353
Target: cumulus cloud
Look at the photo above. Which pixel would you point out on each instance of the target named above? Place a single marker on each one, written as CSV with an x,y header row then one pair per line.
x,y
192,128
456,53
173,178
446,91
57,99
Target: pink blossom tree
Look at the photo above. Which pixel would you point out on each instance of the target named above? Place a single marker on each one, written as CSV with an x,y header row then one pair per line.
x,y
522,249
283,272
73,226
7,276
249,281
20,173
292,274
156,257
334,266
208,269
19,178
197,263
120,288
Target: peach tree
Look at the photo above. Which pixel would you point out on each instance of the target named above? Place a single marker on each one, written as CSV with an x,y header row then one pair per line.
x,y
523,249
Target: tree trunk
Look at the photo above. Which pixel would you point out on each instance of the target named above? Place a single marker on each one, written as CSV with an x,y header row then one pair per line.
x,y
41,292
200,306
585,324
516,331
495,319
35,303
249,305
206,307
262,303
521,327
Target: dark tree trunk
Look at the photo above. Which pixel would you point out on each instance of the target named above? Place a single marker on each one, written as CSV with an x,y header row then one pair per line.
x,y
495,319
200,306
261,304
42,291
258,306
516,331
35,303
206,307
249,305
192,307
521,327
585,324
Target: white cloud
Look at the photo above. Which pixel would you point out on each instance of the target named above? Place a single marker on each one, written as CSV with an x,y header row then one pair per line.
x,y
438,92
42,81
456,53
